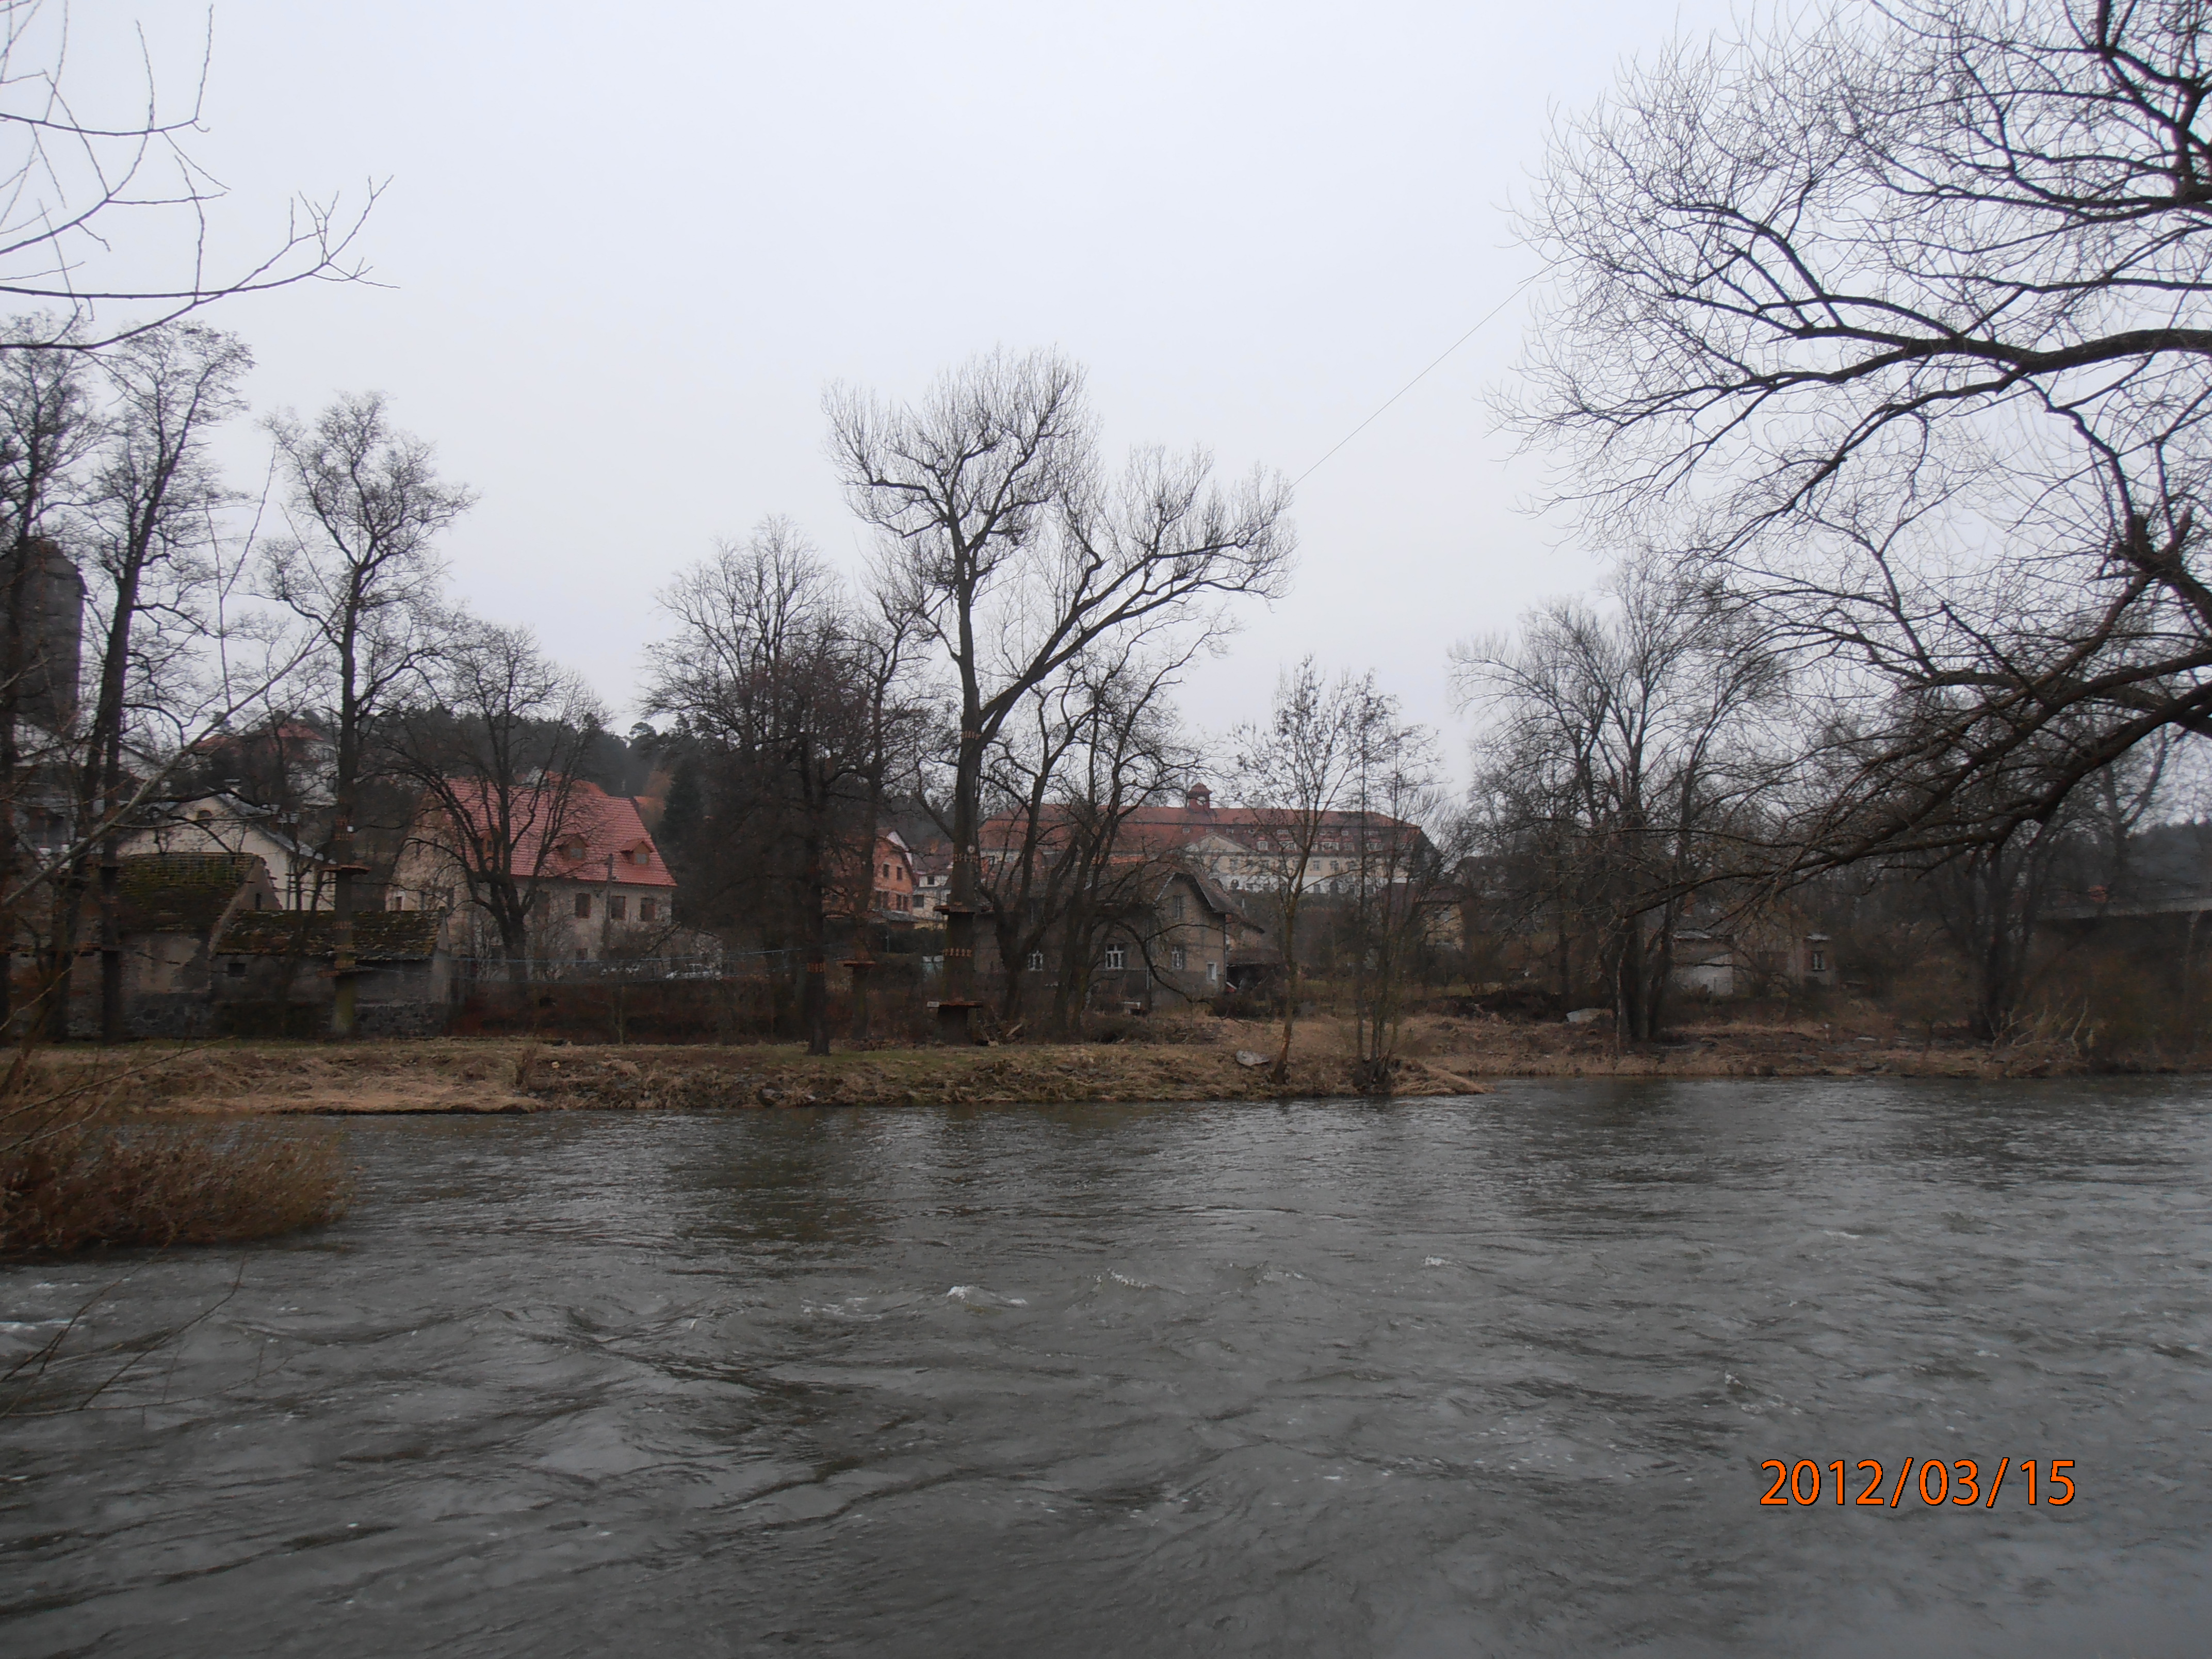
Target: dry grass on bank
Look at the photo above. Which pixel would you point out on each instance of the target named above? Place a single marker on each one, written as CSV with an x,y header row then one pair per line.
x,y
1189,1057
78,1170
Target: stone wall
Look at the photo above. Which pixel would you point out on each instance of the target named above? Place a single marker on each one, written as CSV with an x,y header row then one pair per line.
x,y
191,1018
402,1019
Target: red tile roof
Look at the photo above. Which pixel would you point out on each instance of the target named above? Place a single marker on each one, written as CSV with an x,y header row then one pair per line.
x,y
594,825
1167,828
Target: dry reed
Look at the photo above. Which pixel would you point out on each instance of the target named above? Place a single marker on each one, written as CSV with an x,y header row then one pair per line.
x,y
75,1173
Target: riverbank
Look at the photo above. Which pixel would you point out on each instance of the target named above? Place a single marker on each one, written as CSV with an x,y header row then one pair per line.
x,y
483,1075
1213,1059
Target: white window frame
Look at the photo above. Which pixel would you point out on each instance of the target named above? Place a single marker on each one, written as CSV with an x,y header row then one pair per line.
x,y
1117,958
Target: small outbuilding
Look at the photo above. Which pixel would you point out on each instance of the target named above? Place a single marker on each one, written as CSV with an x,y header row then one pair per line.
x,y
169,908
267,963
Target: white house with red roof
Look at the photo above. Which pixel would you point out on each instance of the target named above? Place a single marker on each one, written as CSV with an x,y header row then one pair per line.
x,y
1251,849
597,883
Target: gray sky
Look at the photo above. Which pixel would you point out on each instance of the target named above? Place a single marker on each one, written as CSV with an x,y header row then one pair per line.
x,y
627,247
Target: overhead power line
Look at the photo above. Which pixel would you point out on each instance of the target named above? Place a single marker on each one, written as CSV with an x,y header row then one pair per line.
x,y
1417,379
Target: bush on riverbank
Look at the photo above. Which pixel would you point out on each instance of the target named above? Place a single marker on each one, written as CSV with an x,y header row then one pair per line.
x,y
76,1174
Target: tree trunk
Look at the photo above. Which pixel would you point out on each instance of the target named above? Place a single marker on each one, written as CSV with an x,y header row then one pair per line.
x,y
110,939
1280,1075
342,1002
12,665
964,891
814,1011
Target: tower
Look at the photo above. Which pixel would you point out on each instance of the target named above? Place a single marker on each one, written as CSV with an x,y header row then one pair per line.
x,y
52,635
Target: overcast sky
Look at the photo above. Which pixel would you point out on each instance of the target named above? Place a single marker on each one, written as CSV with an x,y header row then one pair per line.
x,y
625,249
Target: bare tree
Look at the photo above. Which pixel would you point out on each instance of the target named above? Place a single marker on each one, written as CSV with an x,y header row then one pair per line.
x,y
1899,315
151,514
1988,899
886,637
48,426
1298,769
1002,535
365,504
80,172
495,742
1638,752
1024,871
1129,754
1395,785
775,671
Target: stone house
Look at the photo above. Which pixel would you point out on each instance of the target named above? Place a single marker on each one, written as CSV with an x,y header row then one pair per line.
x,y
1742,960
1187,942
274,960
208,948
932,879
169,908
889,882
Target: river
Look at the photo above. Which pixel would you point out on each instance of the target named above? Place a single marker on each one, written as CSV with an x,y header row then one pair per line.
x,y
1491,1376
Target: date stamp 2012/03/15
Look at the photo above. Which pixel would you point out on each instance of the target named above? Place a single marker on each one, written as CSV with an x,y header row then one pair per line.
x,y
1955,1484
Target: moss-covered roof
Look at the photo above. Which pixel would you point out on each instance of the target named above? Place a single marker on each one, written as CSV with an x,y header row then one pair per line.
x,y
377,935
179,892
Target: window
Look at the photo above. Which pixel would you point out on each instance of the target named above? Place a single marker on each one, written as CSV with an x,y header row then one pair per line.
x,y
1036,962
1117,958
640,858
1177,908
235,969
583,910
645,909
394,902
1175,958
1819,963
1213,973
618,909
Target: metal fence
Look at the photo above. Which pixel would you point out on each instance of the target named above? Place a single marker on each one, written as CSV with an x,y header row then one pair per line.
x,y
627,970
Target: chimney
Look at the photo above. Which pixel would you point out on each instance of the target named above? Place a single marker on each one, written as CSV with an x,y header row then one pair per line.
x,y
1201,798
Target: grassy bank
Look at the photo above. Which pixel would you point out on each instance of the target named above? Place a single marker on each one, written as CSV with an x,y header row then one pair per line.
x,y
1191,1061
493,1075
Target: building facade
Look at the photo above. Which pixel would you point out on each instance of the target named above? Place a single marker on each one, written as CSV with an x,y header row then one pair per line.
x,y
225,823
594,882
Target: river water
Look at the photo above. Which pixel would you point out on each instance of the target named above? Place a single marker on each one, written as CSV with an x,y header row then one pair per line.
x,y
1491,1376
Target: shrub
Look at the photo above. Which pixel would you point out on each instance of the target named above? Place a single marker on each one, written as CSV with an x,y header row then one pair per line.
x,y
76,1174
